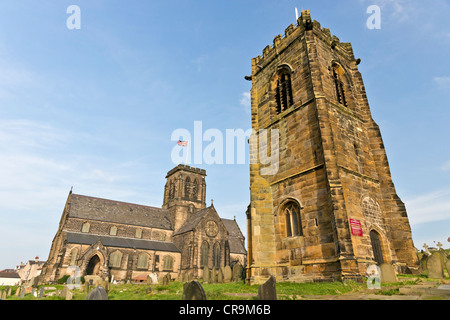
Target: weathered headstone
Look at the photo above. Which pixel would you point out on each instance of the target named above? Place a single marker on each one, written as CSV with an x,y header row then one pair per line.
x,y
41,292
227,274
148,290
434,267
206,275
166,280
66,293
447,266
387,273
98,293
237,272
22,292
193,290
423,262
18,291
268,291
220,276
213,275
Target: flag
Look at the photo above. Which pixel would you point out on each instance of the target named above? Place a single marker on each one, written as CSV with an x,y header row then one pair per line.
x,y
182,143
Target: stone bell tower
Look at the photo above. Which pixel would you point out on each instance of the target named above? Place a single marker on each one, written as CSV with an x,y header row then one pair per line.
x,y
184,193
330,209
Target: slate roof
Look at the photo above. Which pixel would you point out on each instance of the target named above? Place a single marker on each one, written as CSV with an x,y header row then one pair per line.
x,y
10,275
192,220
120,242
236,237
85,207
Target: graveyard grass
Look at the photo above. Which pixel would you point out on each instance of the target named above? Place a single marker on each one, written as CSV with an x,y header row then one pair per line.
x,y
235,290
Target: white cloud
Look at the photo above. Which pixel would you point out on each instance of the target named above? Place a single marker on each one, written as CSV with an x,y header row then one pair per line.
x,y
442,83
246,101
430,207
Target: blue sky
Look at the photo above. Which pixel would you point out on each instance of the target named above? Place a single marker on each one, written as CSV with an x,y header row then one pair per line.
x,y
95,108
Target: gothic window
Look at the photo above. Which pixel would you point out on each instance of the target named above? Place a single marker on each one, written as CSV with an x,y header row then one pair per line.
x,y
113,231
283,90
115,259
142,262
291,213
195,190
168,263
216,255
338,74
187,188
85,228
162,236
171,190
204,254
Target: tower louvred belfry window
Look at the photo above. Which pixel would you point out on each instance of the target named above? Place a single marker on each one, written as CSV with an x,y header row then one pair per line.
x,y
339,85
283,90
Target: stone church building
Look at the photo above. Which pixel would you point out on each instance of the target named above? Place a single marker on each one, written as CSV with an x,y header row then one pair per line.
x,y
129,241
331,208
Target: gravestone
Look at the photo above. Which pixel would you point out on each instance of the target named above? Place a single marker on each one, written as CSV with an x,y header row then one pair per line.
x,y
237,272
98,293
227,274
220,276
9,291
148,290
66,293
268,291
423,262
18,291
213,275
206,275
434,267
193,290
387,273
447,266
41,292
22,292
166,280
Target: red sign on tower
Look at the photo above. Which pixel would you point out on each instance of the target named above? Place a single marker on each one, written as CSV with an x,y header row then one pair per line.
x,y
355,226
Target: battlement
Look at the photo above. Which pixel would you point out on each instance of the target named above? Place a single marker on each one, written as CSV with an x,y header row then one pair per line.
x,y
183,167
292,32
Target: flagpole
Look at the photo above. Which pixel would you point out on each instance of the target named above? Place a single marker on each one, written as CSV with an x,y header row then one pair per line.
x,y
187,152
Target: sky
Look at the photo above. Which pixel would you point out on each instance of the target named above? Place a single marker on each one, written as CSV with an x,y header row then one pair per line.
x,y
94,107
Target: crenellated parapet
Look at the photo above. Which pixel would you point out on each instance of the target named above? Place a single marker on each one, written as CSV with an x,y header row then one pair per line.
x,y
292,33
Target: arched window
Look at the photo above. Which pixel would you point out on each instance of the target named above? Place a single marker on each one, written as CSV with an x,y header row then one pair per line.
x,y
168,263
216,255
85,228
338,74
291,213
195,190
187,188
113,231
115,259
283,90
204,254
142,262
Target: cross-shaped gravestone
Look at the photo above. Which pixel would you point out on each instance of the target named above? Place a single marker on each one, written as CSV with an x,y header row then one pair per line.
x,y
439,245
426,248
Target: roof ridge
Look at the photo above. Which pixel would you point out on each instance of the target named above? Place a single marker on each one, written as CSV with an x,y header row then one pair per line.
x,y
117,201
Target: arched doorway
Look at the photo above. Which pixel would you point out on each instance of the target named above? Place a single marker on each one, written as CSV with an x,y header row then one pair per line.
x,y
376,247
93,266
